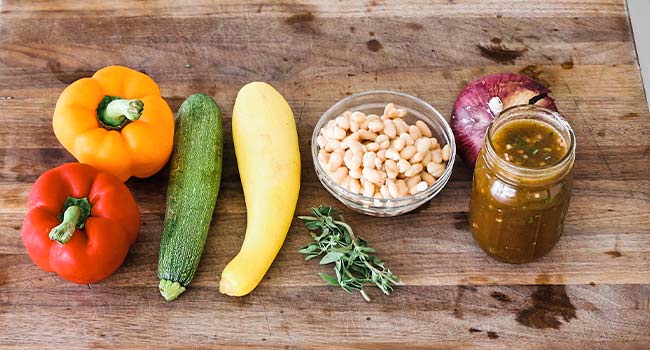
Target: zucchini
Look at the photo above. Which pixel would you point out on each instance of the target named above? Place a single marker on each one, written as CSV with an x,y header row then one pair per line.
x,y
195,175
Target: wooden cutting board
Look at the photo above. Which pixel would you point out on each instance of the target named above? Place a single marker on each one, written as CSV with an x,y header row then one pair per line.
x,y
591,292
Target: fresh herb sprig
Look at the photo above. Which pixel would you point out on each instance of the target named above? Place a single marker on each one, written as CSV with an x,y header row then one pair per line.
x,y
355,265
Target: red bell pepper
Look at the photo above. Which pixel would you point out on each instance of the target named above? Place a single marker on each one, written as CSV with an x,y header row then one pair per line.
x,y
80,223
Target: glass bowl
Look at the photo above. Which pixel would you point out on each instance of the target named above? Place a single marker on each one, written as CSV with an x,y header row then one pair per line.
x,y
373,102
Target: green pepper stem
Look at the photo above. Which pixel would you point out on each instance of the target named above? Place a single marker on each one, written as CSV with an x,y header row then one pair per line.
x,y
120,109
63,232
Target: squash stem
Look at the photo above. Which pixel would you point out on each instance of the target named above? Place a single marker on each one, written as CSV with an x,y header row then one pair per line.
x,y
170,290
63,232
118,110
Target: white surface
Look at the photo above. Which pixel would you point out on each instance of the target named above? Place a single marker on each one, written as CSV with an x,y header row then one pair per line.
x,y
640,16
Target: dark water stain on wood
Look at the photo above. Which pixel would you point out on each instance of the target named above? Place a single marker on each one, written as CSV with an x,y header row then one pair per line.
x,y
66,77
535,73
630,116
353,29
374,45
593,284
614,253
259,8
414,26
601,133
492,335
302,22
550,305
371,33
474,330
300,18
501,297
500,53
496,40
461,220
567,65
460,293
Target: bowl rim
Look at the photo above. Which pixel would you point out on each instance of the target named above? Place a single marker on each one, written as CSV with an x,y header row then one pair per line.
x,y
440,183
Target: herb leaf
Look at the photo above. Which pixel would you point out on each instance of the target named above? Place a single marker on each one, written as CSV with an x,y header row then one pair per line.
x,y
329,279
355,265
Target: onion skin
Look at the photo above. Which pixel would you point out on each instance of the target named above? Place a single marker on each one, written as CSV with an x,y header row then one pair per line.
x,y
473,112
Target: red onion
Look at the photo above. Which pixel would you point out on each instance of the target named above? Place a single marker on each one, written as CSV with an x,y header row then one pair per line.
x,y
483,99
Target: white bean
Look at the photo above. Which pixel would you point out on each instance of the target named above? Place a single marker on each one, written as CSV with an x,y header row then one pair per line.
x,y
414,170
436,156
367,135
336,159
323,157
407,152
381,154
339,174
392,154
389,107
401,126
355,146
402,188
372,147
375,126
354,126
372,118
428,178
355,161
446,152
343,122
403,165
392,188
398,144
423,144
347,156
378,163
355,173
408,140
372,175
424,128
391,169
436,169
369,160
413,180
333,144
401,112
355,186
321,141
368,189
434,143
384,191
427,157
358,117
345,183
415,132
383,141
364,125
421,186
417,157
389,128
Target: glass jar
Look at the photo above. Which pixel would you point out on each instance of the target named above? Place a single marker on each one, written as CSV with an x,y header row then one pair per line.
x,y
517,213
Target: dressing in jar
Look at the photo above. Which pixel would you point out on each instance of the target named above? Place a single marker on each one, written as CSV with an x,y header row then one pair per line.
x,y
522,184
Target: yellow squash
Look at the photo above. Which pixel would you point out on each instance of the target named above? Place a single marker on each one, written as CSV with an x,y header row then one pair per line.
x,y
266,146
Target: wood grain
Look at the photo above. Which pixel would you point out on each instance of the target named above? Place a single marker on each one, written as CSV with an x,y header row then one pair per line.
x,y
590,292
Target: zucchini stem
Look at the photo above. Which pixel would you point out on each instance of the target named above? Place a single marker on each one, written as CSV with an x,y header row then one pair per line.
x,y
170,290
63,232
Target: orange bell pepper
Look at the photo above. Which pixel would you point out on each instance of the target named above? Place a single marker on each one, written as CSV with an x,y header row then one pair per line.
x,y
117,122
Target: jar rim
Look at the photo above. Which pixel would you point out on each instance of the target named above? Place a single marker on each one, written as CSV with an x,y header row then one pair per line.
x,y
551,117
